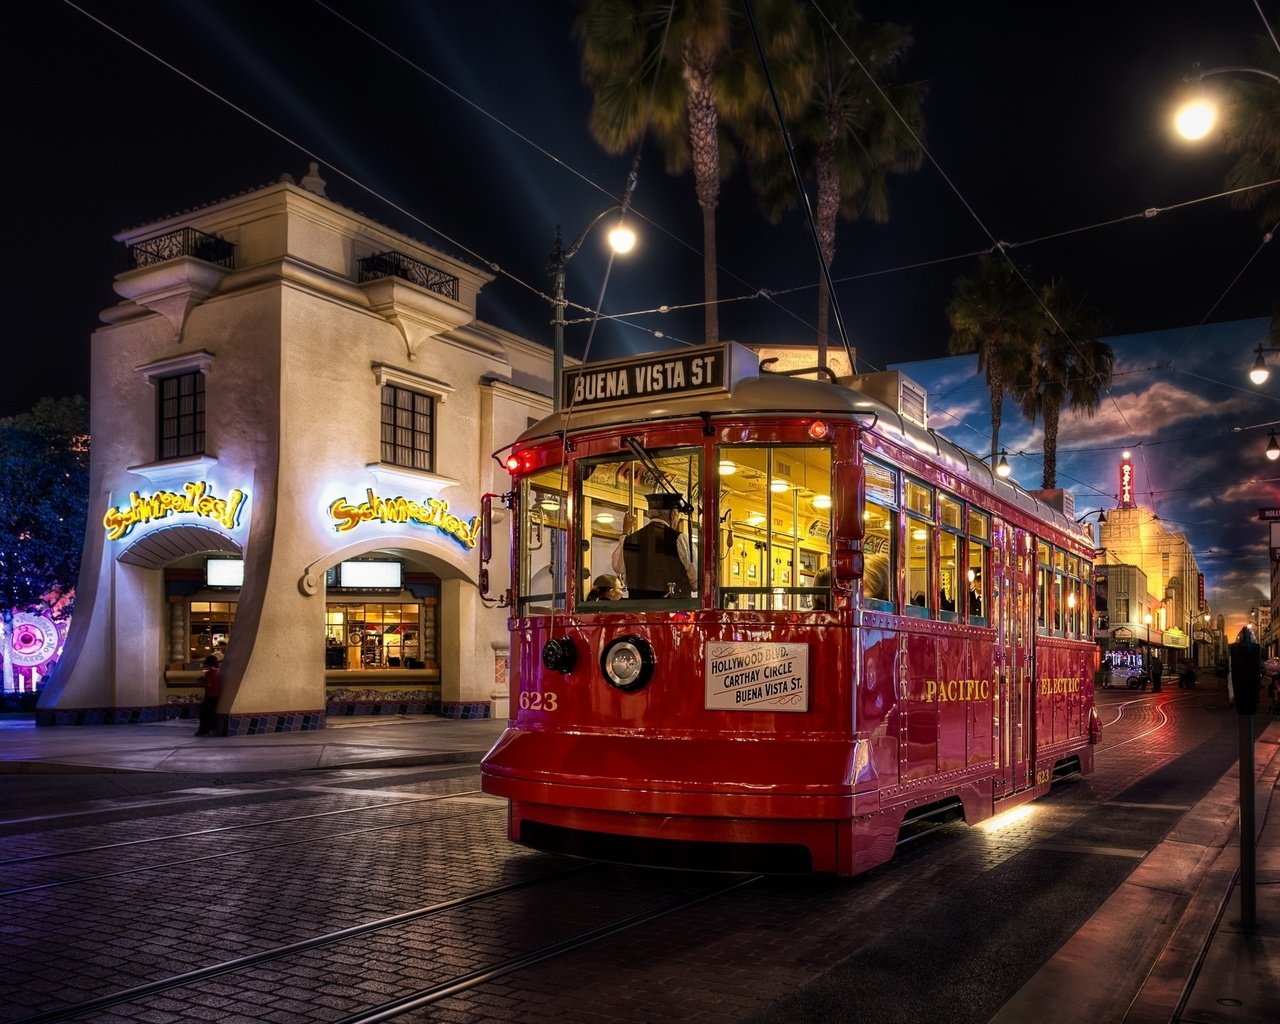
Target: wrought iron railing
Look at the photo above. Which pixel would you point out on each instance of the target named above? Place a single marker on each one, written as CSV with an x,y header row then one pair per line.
x,y
182,242
396,264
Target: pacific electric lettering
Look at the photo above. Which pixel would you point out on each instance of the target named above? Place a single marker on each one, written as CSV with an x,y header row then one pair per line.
x,y
644,379
950,691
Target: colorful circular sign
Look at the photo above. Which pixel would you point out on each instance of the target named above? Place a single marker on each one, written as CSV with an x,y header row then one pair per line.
x,y
35,639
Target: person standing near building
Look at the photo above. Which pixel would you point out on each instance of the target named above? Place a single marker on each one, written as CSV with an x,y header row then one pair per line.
x,y
211,680
654,560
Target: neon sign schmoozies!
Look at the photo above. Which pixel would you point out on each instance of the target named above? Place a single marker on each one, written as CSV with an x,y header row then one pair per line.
x,y
194,499
433,512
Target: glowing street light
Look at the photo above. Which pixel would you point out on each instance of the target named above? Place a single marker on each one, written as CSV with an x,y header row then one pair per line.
x,y
621,240
1197,116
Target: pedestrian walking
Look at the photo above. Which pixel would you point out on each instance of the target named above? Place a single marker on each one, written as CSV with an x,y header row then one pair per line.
x,y
211,680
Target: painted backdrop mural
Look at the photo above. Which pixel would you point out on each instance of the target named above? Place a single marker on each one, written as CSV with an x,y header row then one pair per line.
x,y
1197,431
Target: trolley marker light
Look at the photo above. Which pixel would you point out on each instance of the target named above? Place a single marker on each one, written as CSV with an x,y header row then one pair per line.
x,y
559,655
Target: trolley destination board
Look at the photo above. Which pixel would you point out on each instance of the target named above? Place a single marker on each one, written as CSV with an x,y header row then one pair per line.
x,y
707,369
757,677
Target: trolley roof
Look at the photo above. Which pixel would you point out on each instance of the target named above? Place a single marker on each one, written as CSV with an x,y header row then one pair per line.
x,y
624,392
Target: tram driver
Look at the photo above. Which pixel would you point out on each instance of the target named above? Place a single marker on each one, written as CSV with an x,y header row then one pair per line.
x,y
655,559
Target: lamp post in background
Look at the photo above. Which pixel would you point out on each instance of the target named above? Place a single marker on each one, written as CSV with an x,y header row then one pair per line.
x,y
1002,467
621,240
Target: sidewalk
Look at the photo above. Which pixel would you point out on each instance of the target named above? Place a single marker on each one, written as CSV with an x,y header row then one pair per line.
x,y
1167,946
365,741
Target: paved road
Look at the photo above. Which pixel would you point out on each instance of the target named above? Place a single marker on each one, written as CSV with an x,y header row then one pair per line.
x,y
322,895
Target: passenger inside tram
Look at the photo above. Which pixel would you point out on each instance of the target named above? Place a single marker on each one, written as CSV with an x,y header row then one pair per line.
x,y
875,577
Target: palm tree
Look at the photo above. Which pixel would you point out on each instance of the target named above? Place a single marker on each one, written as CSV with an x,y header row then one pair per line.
x,y
1251,127
1070,367
993,314
848,139
697,61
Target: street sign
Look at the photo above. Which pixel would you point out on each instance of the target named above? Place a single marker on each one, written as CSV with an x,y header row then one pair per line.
x,y
1269,515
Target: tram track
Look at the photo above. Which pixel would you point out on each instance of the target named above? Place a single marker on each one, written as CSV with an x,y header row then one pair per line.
x,y
1163,719
498,966
265,956
185,863
194,833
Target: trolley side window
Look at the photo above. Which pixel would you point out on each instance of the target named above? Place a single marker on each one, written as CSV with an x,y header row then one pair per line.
x,y
880,518
1059,591
542,541
1044,582
920,567
977,573
950,546
639,518
774,514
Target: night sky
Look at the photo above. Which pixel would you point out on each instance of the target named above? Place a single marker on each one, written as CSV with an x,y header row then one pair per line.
x,y
1041,118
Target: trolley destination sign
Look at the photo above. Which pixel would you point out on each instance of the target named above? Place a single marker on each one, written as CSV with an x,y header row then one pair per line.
x,y
666,374
757,677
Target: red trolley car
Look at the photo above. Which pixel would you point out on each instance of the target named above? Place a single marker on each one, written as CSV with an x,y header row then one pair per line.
x,y
855,625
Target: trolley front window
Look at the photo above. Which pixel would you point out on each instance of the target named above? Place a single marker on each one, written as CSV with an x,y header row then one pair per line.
x,y
774,508
639,518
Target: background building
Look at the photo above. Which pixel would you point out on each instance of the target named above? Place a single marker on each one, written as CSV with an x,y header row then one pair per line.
x,y
1155,590
293,415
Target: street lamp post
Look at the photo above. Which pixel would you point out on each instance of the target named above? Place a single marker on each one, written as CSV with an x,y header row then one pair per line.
x,y
621,240
1196,118
1002,466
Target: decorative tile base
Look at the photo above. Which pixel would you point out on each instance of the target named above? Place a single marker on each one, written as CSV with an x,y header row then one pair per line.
x,y
269,722
460,709
106,716
346,708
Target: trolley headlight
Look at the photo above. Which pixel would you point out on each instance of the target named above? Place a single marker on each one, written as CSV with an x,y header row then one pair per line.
x,y
559,654
627,662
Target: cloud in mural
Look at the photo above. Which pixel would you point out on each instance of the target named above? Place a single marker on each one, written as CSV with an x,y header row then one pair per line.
x,y
1197,430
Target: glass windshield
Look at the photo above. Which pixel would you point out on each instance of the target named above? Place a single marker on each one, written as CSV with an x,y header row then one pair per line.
x,y
774,511
639,522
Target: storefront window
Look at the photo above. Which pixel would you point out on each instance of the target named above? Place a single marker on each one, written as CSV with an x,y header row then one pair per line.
x,y
211,623
376,634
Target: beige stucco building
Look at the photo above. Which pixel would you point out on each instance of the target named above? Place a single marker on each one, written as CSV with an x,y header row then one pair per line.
x,y
287,383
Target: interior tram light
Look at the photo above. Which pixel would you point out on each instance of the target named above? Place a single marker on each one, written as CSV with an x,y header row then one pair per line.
x,y
1273,447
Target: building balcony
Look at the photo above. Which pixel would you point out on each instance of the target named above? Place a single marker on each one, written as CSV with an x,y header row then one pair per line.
x,y
182,242
395,264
